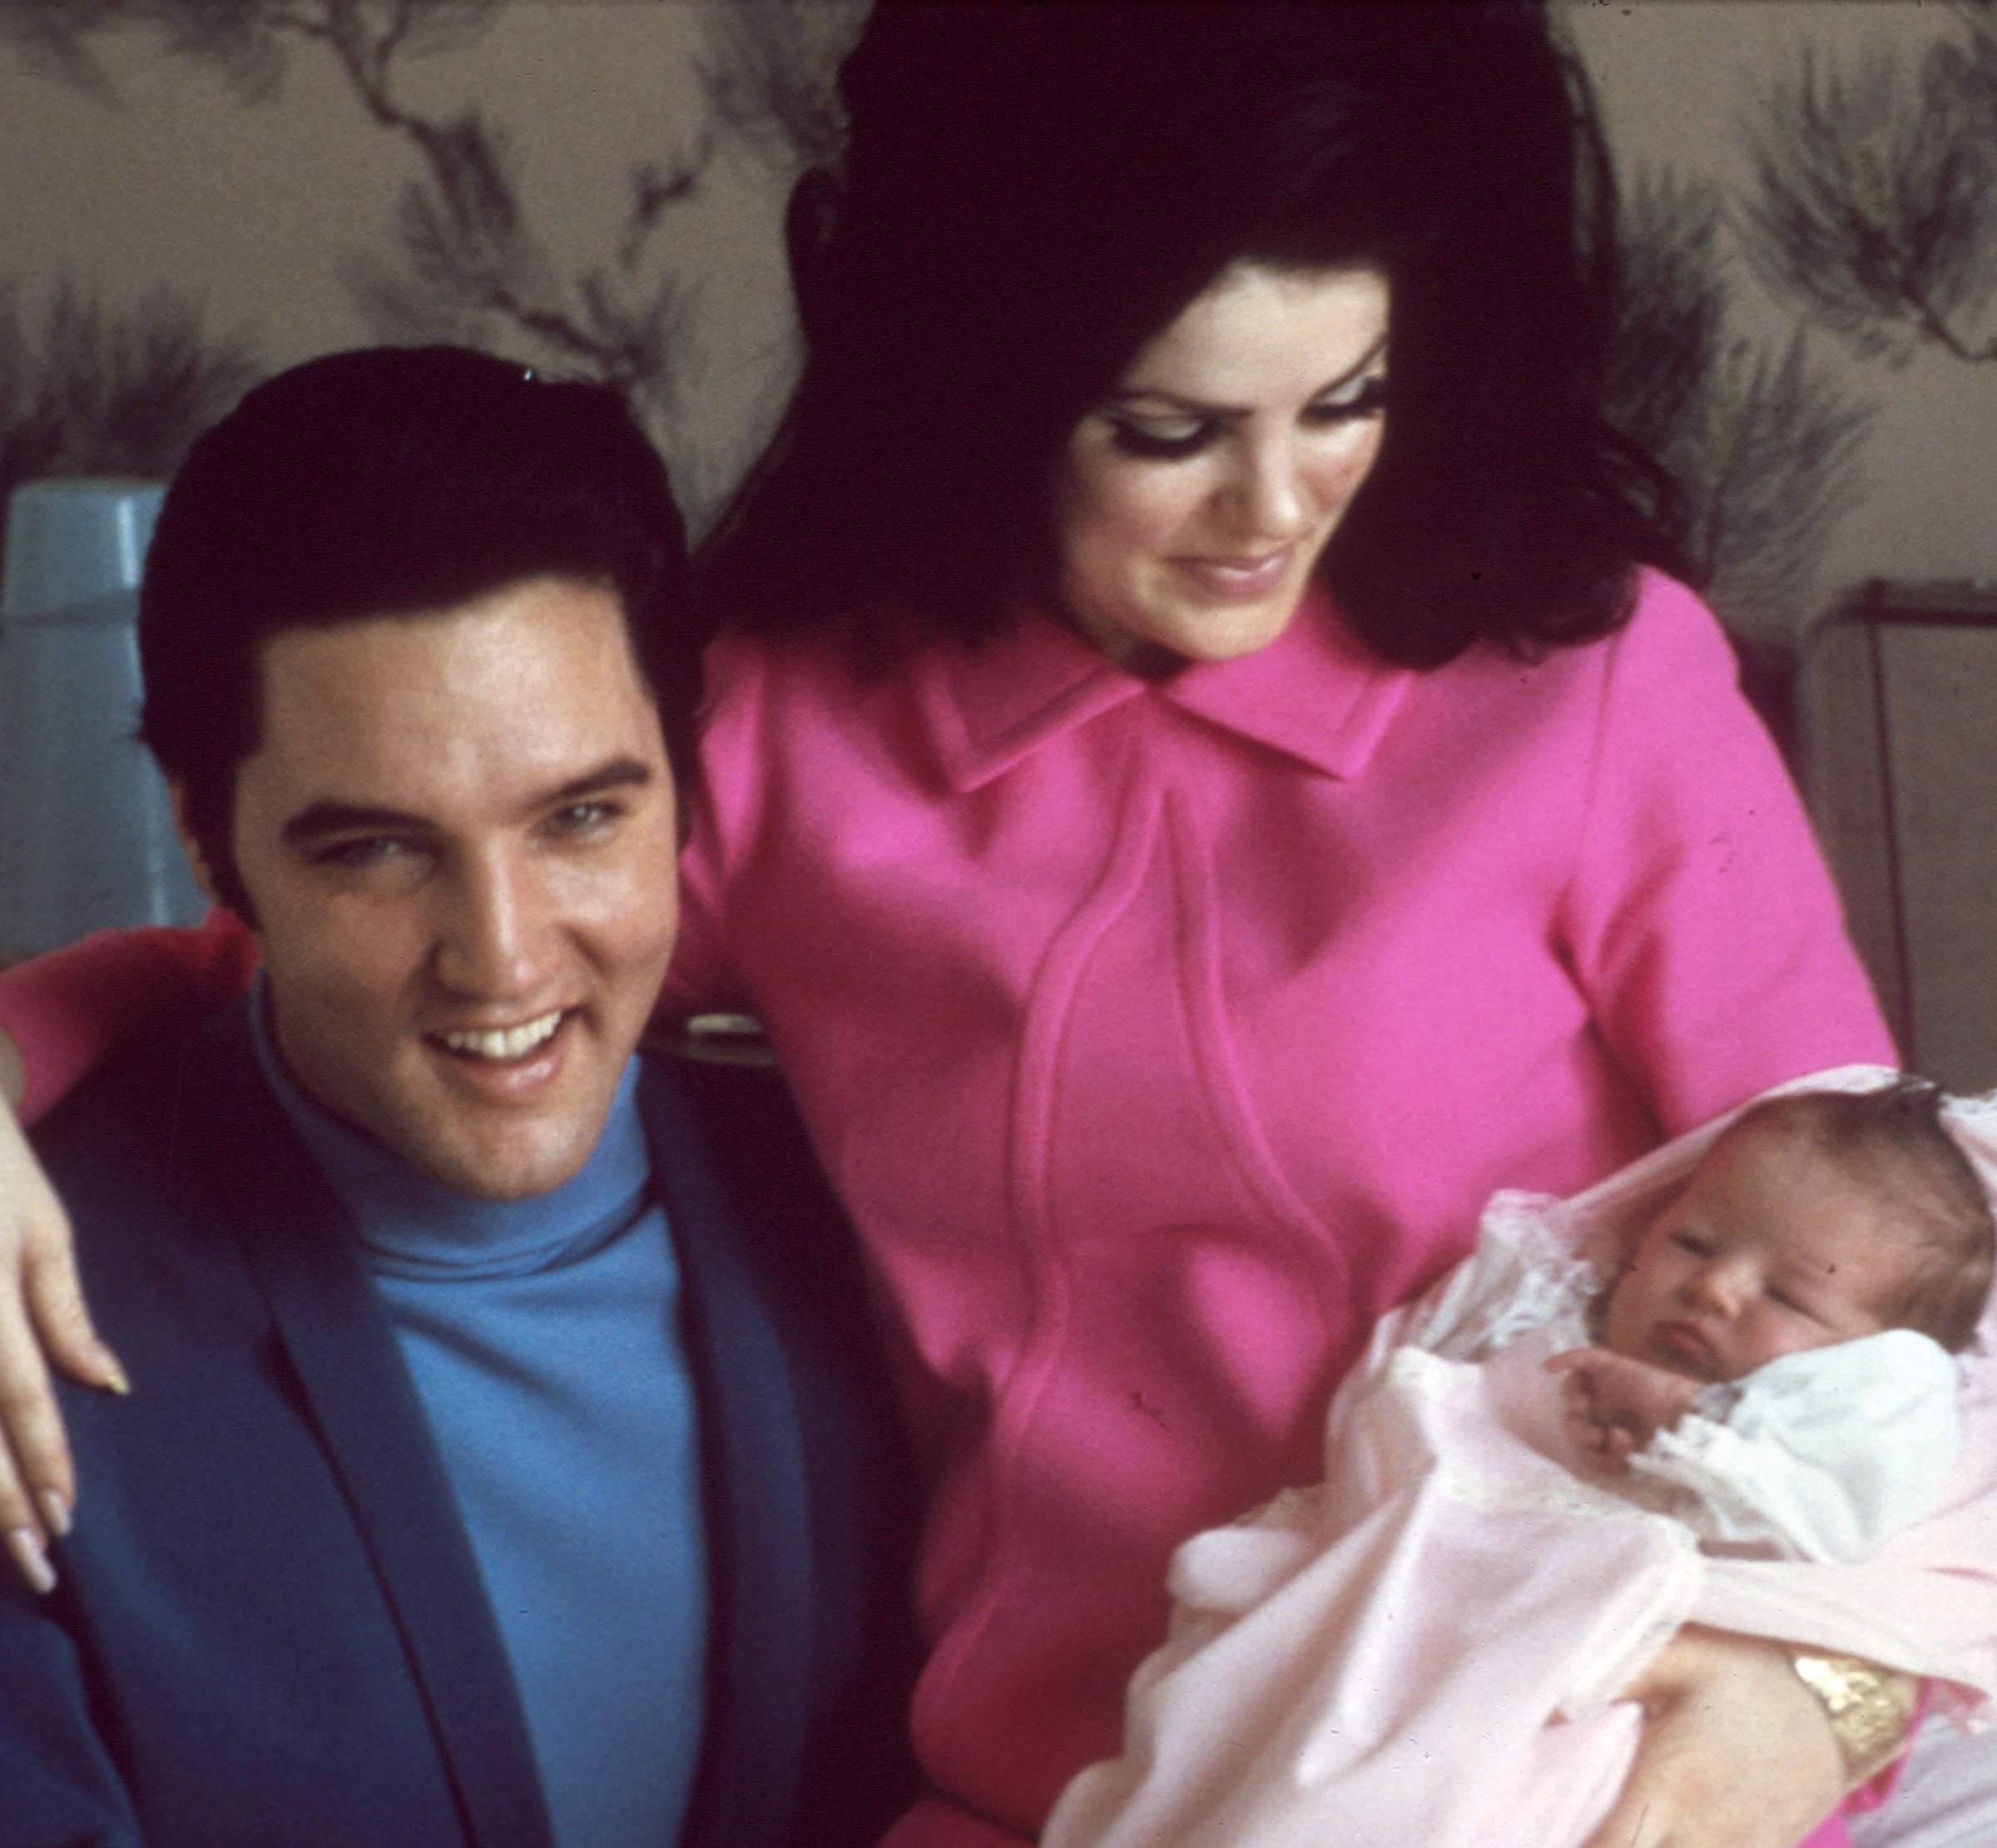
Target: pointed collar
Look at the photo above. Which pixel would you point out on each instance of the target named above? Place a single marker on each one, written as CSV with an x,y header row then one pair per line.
x,y
1316,693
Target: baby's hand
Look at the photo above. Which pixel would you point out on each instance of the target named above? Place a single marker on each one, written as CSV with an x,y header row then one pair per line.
x,y
1616,1405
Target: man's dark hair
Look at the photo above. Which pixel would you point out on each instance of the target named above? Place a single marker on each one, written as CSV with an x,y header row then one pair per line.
x,y
393,482
1033,192
1894,1137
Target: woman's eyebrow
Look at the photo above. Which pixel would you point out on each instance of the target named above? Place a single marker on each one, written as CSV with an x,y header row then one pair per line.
x,y
1124,395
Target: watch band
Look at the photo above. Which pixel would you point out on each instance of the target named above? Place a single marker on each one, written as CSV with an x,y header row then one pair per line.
x,y
1871,1709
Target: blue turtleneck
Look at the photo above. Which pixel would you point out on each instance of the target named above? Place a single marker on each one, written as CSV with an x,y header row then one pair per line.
x,y
542,1337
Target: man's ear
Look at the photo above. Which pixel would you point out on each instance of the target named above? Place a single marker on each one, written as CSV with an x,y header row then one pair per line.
x,y
204,874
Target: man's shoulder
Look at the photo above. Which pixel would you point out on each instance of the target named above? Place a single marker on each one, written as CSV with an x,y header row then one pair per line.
x,y
149,1129
739,1174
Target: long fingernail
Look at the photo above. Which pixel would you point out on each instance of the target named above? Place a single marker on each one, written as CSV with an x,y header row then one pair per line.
x,y
114,1378
26,1546
55,1512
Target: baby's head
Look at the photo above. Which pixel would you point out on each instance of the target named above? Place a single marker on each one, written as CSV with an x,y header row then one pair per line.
x,y
1815,1218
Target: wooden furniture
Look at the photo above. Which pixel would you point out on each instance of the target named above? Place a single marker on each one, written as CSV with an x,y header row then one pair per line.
x,y
1896,746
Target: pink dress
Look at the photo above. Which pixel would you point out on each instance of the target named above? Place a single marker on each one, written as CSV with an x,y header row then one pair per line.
x,y
1161,1037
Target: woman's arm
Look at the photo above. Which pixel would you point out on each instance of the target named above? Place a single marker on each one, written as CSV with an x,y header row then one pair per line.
x,y
68,1010
59,1015
1703,925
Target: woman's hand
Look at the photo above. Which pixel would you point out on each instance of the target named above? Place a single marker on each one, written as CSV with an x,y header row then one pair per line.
x,y
1737,1753
41,1309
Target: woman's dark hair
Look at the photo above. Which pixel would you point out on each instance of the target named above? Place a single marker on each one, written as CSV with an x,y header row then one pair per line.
x,y
1034,192
393,482
1895,1137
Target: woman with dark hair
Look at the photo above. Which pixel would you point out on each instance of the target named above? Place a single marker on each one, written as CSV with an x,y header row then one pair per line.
x,y
1203,783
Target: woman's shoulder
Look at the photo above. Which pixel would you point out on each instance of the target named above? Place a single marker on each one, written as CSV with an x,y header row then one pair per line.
x,y
794,672
1668,615
1670,663
1671,642
785,715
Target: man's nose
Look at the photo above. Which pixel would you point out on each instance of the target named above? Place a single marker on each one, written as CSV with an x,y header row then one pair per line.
x,y
494,936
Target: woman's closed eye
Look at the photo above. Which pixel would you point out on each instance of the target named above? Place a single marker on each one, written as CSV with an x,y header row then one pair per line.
x,y
1166,439
1367,398
1161,440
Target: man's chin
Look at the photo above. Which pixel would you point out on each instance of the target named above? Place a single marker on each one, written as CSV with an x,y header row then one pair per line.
x,y
503,1155
516,1166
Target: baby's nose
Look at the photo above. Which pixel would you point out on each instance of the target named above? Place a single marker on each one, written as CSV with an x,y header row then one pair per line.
x,y
1719,1286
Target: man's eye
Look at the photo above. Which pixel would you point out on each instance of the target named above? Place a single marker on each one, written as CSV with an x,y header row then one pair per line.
x,y
354,855
1167,442
583,818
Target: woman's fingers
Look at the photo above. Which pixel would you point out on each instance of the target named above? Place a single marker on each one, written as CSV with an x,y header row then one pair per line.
x,y
1734,1753
37,1489
43,1318
37,1256
55,1301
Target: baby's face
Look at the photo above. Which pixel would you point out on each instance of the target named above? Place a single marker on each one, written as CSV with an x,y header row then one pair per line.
x,y
1771,1248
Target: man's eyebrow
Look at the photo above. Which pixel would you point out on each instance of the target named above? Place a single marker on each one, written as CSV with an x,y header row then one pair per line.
x,y
318,819
1196,406
620,773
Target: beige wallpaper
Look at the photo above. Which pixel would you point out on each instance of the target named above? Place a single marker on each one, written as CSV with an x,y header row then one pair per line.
x,y
1678,80
252,207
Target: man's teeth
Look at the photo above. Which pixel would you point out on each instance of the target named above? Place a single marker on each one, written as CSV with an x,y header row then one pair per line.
x,y
512,1043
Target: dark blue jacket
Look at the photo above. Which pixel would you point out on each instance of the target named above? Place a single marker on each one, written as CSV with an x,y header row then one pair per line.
x,y
269,1627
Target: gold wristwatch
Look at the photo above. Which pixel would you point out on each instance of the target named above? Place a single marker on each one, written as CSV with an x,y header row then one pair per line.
x,y
1871,1709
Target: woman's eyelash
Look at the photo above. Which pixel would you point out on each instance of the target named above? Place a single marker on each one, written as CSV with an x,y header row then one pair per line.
x,y
1141,440
1134,439
1370,397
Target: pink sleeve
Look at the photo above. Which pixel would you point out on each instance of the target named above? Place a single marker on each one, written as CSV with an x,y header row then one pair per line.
x,y
1704,926
67,1009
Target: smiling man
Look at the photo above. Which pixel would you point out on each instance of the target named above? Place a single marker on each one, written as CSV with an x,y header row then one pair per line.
x,y
503,1468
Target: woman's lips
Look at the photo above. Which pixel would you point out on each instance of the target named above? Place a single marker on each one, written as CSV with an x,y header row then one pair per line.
x,y
1239,580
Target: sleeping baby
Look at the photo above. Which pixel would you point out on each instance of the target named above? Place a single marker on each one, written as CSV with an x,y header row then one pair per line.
x,y
1586,1435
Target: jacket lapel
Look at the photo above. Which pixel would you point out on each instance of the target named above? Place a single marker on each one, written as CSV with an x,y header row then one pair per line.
x,y
760,1562
350,1370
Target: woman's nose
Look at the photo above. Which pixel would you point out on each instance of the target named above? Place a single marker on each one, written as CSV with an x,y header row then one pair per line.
x,y
1271,493
492,938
